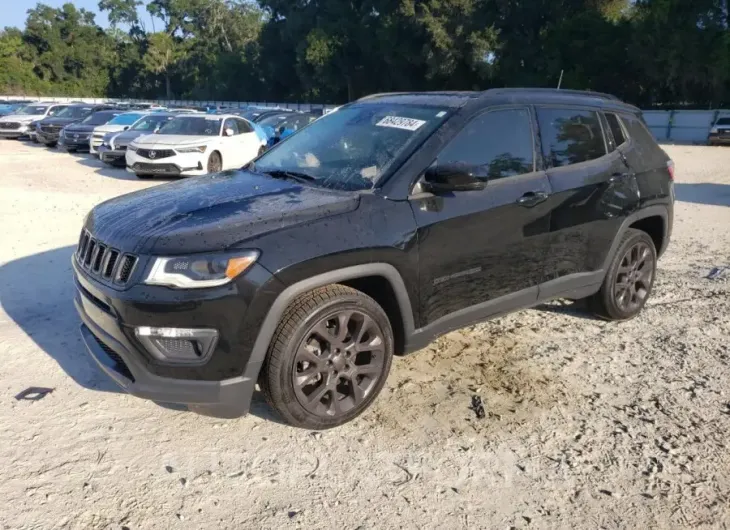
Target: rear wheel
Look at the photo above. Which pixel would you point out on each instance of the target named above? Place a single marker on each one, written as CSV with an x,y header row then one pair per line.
x,y
629,280
215,163
328,359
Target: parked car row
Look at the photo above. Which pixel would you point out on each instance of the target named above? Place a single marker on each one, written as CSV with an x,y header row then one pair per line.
x,y
156,141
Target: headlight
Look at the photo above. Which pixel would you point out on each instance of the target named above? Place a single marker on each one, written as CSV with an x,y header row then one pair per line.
x,y
132,147
196,149
195,272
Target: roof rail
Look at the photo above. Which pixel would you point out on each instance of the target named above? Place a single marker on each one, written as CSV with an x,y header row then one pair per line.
x,y
555,91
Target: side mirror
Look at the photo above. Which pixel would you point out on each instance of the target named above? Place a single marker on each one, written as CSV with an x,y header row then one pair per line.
x,y
125,128
451,177
228,132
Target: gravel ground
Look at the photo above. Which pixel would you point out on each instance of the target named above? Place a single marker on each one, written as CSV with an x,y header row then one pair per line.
x,y
589,424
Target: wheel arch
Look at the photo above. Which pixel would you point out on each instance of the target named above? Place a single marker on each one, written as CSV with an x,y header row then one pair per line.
x,y
649,218
368,278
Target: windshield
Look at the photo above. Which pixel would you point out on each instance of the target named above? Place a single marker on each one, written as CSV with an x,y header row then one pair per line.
x,y
252,114
75,113
723,121
32,110
193,126
98,118
150,123
352,148
127,118
273,120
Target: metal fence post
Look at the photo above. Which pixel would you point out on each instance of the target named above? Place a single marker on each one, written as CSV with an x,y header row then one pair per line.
x,y
669,125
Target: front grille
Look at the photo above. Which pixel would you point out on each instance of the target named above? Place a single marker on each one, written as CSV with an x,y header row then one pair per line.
x,y
125,270
51,129
99,259
119,365
155,154
11,125
164,169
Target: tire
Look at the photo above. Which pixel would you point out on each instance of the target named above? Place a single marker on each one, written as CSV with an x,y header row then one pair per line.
x,y
630,278
329,390
215,162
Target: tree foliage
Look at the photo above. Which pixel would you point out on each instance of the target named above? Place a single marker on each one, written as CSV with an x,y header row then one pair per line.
x,y
649,52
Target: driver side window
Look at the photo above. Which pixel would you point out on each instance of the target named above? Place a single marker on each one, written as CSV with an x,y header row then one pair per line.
x,y
231,124
495,145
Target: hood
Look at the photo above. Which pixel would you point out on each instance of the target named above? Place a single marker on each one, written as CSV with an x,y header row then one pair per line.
x,y
60,121
109,128
210,213
22,118
79,128
159,140
123,138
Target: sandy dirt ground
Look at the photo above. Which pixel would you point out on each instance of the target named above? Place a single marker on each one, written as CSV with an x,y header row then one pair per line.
x,y
589,424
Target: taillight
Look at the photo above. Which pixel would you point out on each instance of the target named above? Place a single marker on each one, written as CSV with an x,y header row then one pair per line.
x,y
670,168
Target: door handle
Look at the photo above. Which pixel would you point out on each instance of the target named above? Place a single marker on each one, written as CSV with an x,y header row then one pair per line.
x,y
532,198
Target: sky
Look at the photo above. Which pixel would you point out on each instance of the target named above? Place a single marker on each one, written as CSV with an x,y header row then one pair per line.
x,y
14,12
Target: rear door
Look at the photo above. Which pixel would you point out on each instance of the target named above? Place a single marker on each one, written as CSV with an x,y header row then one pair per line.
x,y
485,246
593,192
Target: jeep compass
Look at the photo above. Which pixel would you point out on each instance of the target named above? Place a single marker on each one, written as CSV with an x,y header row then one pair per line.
x,y
365,235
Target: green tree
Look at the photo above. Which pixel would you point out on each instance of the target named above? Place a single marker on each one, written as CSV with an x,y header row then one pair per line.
x,y
162,55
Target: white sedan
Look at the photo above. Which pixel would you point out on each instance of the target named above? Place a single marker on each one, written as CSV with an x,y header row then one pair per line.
x,y
195,144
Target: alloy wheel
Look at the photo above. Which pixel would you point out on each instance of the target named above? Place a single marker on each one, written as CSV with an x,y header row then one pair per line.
x,y
339,363
634,277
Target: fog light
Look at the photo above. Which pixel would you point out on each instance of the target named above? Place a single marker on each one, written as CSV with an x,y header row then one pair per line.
x,y
178,344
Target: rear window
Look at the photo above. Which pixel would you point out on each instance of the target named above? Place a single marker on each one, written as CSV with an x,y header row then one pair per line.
x,y
570,136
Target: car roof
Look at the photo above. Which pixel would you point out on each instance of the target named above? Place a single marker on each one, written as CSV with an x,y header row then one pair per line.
x,y
497,96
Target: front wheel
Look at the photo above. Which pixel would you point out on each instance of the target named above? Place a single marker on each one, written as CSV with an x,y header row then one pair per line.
x,y
215,163
328,359
629,280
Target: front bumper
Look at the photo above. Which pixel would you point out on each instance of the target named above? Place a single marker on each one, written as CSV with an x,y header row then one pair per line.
x,y
223,386
94,144
14,133
80,144
115,157
188,164
719,138
48,138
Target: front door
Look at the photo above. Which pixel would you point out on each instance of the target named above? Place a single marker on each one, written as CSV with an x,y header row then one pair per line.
x,y
485,246
593,190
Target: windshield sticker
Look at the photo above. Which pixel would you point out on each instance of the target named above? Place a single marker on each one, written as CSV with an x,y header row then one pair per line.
x,y
396,122
441,114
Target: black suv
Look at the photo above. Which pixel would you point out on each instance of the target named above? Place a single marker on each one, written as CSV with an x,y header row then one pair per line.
x,y
367,234
49,129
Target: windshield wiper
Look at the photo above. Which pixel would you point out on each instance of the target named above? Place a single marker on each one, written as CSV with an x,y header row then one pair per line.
x,y
286,174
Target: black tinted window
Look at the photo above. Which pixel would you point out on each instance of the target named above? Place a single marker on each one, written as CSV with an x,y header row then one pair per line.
x,y
496,144
244,127
723,121
618,133
570,136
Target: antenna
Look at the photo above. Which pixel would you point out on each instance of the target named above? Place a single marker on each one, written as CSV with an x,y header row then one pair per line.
x,y
560,81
